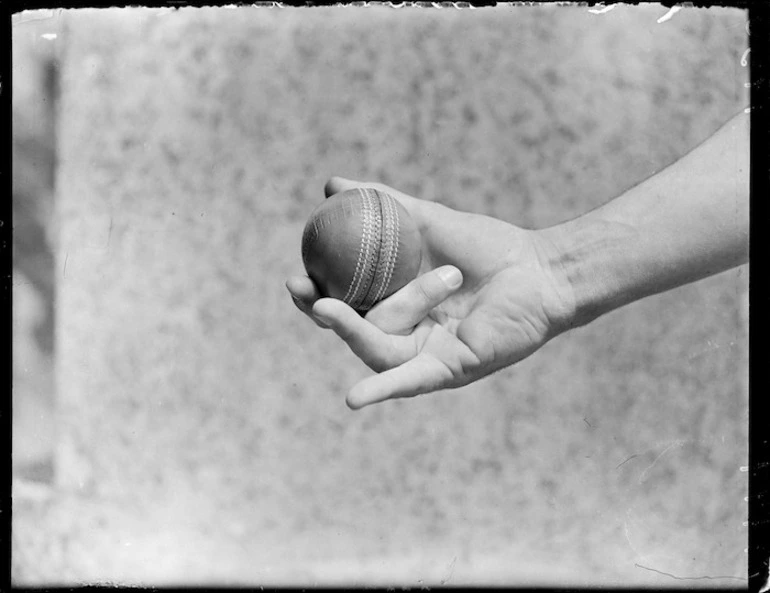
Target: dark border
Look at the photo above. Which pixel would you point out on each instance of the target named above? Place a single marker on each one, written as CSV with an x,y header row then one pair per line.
x,y
759,433
759,429
6,289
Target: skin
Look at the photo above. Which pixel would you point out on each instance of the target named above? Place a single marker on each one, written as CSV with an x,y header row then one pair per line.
x,y
491,293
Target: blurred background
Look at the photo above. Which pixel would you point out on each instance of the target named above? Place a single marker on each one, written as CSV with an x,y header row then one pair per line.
x,y
35,67
177,421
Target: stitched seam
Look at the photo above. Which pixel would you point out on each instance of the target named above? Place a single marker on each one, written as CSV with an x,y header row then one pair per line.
x,y
369,298
370,226
383,264
373,260
390,250
356,279
396,234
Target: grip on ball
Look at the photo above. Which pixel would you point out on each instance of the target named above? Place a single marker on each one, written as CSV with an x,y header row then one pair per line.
x,y
361,246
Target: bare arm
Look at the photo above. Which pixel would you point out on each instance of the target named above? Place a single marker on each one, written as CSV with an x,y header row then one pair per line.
x,y
685,223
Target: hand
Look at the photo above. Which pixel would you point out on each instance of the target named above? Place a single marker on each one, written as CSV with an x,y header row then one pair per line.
x,y
487,296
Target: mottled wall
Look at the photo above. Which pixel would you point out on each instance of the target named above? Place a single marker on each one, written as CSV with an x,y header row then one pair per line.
x,y
204,430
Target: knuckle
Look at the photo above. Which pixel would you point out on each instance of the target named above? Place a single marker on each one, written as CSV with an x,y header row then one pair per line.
x,y
427,291
383,358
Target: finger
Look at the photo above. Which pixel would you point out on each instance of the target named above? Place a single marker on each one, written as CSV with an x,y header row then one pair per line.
x,y
337,184
377,349
401,311
422,374
304,293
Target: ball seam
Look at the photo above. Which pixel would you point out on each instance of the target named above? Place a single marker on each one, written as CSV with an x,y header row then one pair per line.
x,y
371,269
390,243
360,261
354,294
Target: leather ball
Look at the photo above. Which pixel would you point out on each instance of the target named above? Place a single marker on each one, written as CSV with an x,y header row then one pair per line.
x,y
361,246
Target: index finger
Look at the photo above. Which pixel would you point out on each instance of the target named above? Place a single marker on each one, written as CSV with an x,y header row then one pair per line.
x,y
378,350
422,374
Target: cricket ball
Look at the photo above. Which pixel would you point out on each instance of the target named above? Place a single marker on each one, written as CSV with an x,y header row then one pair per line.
x,y
361,246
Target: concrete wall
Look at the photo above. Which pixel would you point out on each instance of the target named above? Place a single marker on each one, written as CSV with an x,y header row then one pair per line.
x,y
203,431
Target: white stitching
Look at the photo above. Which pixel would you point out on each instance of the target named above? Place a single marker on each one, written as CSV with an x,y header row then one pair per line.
x,y
361,254
396,235
373,252
370,297
390,243
368,230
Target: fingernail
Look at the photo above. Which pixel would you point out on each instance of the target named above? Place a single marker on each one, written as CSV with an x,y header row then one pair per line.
x,y
452,277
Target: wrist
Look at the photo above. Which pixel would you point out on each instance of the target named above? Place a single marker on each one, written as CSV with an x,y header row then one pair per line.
x,y
585,257
560,302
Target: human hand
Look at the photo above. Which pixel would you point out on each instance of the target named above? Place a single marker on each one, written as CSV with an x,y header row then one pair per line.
x,y
487,296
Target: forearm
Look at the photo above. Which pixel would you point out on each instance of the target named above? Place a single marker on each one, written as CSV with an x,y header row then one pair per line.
x,y
685,223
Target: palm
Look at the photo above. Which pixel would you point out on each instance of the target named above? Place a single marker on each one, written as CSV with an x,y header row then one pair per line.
x,y
493,321
475,333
